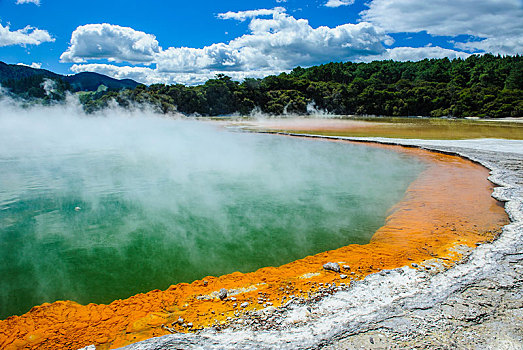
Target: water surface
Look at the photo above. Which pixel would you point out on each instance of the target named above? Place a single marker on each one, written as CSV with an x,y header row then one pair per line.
x,y
97,209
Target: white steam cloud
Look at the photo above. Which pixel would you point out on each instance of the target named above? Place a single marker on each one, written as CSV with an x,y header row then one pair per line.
x,y
104,193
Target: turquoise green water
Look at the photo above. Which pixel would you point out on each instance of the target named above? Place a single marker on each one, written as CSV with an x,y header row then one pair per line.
x,y
94,210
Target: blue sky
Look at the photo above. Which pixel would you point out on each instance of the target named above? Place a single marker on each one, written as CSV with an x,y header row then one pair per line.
x,y
189,42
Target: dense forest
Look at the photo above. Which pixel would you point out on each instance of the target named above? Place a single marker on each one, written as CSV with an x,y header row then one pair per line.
x,y
479,86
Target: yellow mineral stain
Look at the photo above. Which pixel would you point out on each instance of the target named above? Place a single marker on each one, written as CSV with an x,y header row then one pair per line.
x,y
449,205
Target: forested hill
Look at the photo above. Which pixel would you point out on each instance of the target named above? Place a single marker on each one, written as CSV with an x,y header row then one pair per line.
x,y
27,81
479,86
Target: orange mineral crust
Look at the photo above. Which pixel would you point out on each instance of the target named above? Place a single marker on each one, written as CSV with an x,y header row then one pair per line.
x,y
448,207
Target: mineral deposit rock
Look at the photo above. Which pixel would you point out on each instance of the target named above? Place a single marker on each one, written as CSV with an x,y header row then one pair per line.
x,y
222,294
332,267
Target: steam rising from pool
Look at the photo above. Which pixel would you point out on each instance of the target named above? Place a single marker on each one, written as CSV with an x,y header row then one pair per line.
x,y
95,208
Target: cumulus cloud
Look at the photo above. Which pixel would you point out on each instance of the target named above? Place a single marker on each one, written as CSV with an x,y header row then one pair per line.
x,y
293,40
272,45
36,2
415,54
111,42
243,15
149,76
338,3
506,45
494,21
275,42
26,36
36,65
141,74
216,56
281,42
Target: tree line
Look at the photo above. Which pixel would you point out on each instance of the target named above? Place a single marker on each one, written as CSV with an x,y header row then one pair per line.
x,y
479,86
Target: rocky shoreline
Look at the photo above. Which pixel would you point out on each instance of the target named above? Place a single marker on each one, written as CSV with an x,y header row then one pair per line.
x,y
486,310
476,304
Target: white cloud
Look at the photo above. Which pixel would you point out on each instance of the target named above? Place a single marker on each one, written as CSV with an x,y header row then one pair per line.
x,y
273,44
141,74
281,42
338,3
493,20
505,45
149,76
243,15
36,65
26,36
415,54
293,41
111,42
36,2
215,56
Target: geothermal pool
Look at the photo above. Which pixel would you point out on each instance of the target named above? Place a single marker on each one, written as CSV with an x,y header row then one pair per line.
x,y
94,209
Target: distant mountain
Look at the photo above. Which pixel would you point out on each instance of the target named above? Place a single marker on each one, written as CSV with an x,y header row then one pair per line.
x,y
16,72
86,81
89,81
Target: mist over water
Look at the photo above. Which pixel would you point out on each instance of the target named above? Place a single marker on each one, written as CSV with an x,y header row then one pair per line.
x,y
96,208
